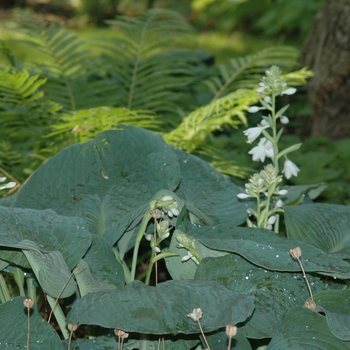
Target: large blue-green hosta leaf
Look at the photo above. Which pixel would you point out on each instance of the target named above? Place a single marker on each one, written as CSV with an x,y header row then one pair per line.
x,y
163,309
326,226
52,244
208,192
336,305
274,292
266,249
14,328
303,329
105,181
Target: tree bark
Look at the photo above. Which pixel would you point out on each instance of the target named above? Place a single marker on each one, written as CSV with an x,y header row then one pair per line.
x,y
327,53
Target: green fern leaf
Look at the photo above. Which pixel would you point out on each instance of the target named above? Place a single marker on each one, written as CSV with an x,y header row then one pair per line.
x,y
86,124
198,125
246,72
144,60
73,73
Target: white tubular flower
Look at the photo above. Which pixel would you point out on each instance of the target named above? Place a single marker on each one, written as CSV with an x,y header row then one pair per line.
x,y
156,249
167,198
254,109
290,169
267,99
271,220
243,195
174,211
2,179
8,185
148,236
284,119
262,150
261,89
254,133
279,204
264,122
282,192
290,91
187,257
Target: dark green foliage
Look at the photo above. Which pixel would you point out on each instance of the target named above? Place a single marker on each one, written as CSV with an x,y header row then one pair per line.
x,y
84,210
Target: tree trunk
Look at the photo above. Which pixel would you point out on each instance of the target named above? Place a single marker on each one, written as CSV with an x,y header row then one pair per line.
x,y
327,53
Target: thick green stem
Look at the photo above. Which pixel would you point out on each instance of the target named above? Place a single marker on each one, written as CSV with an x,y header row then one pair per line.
x,y
59,315
4,291
139,236
31,288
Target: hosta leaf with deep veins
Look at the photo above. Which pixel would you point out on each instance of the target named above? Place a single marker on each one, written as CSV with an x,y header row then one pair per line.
x,y
163,309
326,226
336,305
43,230
105,180
14,328
208,194
52,244
268,250
274,292
304,329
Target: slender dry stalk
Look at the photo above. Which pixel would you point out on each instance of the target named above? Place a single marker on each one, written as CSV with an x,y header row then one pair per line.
x,y
28,304
231,331
58,297
196,315
296,254
72,328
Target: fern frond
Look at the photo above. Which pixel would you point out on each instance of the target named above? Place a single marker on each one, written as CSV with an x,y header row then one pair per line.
x,y
246,72
142,60
225,111
224,161
297,78
84,125
22,104
69,68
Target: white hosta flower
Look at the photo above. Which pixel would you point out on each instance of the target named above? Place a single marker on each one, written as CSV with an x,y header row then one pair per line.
x,y
167,198
271,220
262,150
284,119
243,195
156,249
267,99
254,133
290,169
148,237
196,314
279,204
2,179
282,192
290,91
174,211
188,257
254,109
264,122
8,185
261,89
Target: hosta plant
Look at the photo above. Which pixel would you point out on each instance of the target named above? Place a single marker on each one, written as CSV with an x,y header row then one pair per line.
x,y
91,227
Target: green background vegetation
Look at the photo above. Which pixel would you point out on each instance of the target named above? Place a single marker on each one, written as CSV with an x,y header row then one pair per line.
x,y
218,41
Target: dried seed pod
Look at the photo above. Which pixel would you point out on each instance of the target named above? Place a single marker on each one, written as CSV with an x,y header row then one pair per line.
x,y
28,303
231,330
295,252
